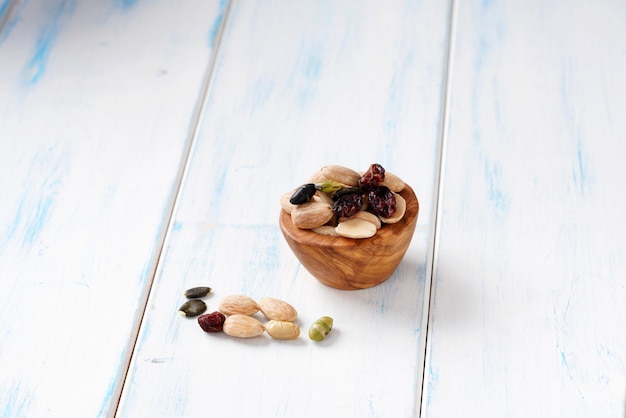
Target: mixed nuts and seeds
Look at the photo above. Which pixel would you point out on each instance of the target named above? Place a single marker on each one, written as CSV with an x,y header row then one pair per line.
x,y
339,201
235,317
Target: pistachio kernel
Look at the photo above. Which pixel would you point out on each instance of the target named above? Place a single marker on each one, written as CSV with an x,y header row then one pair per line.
x,y
320,328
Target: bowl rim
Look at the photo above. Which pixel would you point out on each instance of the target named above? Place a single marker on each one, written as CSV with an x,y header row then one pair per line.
x,y
310,238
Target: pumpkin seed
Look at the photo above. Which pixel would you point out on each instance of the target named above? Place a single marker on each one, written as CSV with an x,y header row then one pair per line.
x,y
197,292
192,308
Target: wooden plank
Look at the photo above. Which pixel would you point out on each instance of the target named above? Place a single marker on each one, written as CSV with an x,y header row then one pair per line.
x,y
297,85
96,105
528,312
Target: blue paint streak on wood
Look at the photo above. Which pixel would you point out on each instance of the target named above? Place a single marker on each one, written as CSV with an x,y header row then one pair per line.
x,y
579,172
126,4
496,196
36,67
34,210
10,24
213,31
3,7
16,404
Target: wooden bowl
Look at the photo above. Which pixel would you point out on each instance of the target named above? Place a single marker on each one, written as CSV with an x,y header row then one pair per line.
x,y
345,263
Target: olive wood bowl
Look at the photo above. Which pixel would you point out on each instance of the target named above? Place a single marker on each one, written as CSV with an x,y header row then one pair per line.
x,y
346,263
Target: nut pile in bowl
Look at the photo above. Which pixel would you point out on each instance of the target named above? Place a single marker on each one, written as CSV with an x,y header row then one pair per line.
x,y
339,201
350,230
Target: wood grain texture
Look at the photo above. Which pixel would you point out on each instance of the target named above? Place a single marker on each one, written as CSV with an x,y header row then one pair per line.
x,y
96,105
528,312
349,264
297,85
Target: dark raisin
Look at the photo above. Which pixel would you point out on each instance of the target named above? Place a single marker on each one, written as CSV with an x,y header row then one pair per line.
x,y
374,175
348,204
303,194
212,322
382,202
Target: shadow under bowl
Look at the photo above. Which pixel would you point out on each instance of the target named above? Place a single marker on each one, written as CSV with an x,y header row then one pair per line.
x,y
346,263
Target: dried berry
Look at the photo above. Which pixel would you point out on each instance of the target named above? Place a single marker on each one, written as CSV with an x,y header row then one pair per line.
x,y
382,201
373,176
212,322
348,204
303,194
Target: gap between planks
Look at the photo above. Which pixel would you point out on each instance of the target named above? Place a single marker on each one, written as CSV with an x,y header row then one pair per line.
x,y
190,144
437,201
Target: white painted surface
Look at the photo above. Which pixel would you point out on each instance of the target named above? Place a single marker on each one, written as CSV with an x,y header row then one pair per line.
x,y
297,85
528,312
96,106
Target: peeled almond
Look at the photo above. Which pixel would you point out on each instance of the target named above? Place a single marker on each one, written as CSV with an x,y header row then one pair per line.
x,y
318,177
356,228
400,209
393,182
366,216
323,197
326,230
341,174
285,203
277,309
311,214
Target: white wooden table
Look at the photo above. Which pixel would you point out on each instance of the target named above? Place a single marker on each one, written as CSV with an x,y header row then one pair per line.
x,y
143,149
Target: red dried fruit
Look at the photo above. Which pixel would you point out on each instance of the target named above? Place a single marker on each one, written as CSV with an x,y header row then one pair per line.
x,y
348,204
374,175
212,322
382,202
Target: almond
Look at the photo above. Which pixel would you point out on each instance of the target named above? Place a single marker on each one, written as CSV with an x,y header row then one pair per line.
x,y
366,216
326,230
238,304
277,309
356,228
393,182
341,174
243,326
311,214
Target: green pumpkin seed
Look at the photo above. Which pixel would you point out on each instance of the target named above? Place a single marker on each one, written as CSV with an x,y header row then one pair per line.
x,y
320,328
192,308
197,292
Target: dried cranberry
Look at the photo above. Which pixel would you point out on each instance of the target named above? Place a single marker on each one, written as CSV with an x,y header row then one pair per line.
x,y
348,204
212,322
374,175
382,202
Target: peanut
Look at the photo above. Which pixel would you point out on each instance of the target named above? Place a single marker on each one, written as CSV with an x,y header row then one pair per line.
x,y
282,330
